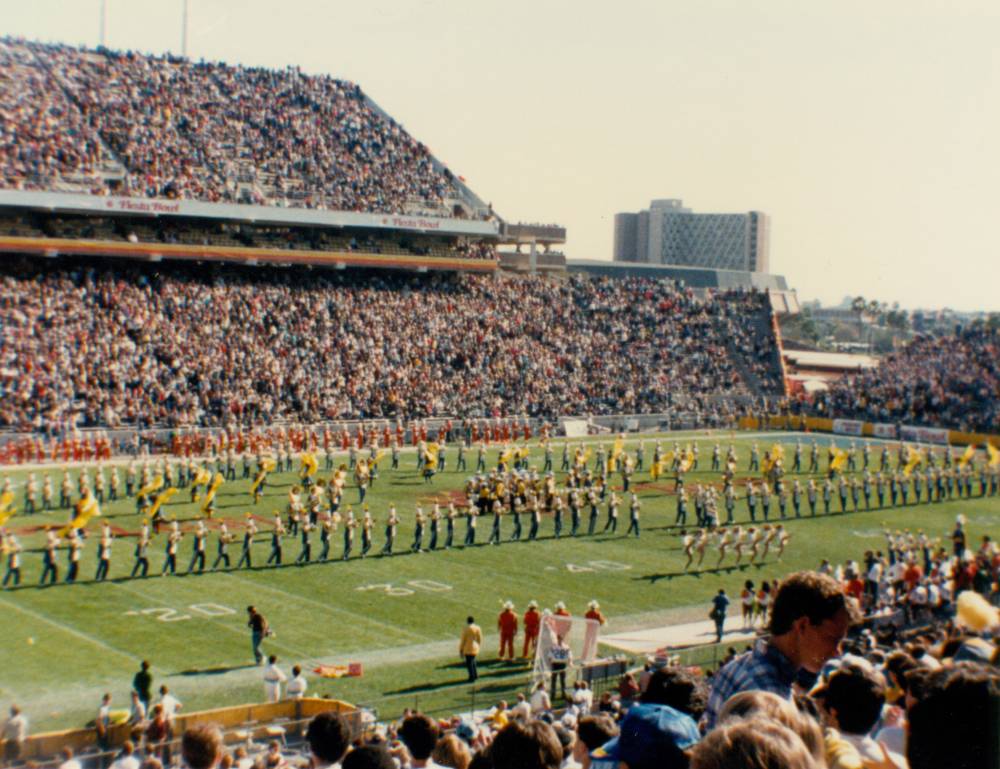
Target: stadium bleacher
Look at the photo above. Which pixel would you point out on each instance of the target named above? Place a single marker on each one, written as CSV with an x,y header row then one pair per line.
x,y
107,343
950,381
77,120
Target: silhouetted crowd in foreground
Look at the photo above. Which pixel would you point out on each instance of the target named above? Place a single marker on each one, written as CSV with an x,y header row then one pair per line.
x,y
811,694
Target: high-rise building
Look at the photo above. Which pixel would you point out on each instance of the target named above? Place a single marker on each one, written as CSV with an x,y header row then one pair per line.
x,y
669,233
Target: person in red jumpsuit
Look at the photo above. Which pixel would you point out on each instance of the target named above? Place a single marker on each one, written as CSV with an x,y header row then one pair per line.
x,y
532,625
594,613
507,625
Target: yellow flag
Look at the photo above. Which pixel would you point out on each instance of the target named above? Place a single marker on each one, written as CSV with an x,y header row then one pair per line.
x,y
161,499
210,494
688,461
616,451
916,457
970,452
658,468
379,454
6,510
839,459
309,466
86,509
994,454
155,485
202,477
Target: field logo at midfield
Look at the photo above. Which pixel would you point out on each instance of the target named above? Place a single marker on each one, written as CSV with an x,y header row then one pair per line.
x,y
411,587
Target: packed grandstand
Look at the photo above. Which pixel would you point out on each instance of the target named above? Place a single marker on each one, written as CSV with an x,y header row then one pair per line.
x,y
97,342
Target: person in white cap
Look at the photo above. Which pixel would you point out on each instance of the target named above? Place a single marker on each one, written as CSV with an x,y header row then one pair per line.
x,y
532,625
507,625
594,613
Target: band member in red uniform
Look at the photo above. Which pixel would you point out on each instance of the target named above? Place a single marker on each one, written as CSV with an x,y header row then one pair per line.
x,y
507,625
594,612
532,626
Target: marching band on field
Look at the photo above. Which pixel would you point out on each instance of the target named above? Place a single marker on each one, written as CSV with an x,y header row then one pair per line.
x,y
511,500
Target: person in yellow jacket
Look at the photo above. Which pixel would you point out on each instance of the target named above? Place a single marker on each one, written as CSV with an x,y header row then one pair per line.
x,y
468,646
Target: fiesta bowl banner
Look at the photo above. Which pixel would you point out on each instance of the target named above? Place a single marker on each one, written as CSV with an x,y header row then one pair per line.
x,y
848,426
924,434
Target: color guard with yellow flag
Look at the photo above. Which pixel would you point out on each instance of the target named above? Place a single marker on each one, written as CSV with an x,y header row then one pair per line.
x,y
208,506
84,510
7,509
161,499
430,461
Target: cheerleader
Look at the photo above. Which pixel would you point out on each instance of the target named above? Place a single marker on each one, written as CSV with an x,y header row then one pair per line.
x,y
687,542
748,604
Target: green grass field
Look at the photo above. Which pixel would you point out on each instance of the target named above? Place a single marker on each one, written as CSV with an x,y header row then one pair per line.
x,y
67,644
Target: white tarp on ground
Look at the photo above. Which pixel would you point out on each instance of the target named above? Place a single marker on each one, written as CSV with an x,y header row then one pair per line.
x,y
672,637
575,428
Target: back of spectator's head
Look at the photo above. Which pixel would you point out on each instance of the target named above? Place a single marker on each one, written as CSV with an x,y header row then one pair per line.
x,y
482,759
596,730
201,746
452,752
754,743
532,745
369,757
420,734
956,720
760,704
566,737
678,688
854,695
329,737
591,733
652,737
897,665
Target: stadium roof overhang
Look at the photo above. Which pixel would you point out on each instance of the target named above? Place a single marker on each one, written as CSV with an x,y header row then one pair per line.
x,y
98,205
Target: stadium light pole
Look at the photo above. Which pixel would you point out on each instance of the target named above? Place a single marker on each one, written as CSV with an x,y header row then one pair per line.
x,y
184,30
103,31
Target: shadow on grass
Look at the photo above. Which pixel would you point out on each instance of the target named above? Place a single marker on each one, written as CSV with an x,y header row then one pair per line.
x,y
216,671
503,677
730,569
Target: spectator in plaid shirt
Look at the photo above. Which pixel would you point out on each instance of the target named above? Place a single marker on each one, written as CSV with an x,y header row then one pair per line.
x,y
810,618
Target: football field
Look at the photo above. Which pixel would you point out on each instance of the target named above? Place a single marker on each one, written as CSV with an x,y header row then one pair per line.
x,y
399,616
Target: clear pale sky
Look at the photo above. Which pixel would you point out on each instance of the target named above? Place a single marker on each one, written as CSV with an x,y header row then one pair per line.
x,y
868,131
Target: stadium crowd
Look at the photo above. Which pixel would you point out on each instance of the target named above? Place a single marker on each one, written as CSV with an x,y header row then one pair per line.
x,y
106,344
950,381
204,131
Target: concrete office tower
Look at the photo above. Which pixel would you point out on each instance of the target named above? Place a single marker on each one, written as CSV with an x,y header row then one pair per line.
x,y
669,233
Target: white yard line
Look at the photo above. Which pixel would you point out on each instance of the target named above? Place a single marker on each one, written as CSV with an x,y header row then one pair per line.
x,y
360,618
218,623
72,631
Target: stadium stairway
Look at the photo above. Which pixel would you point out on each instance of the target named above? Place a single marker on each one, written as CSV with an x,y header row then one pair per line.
x,y
112,168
